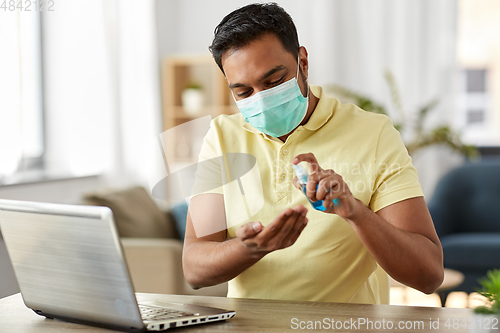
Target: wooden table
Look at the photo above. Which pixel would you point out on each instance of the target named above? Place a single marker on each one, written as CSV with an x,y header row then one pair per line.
x,y
255,315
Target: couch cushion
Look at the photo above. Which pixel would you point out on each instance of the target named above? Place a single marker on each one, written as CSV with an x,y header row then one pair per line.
x,y
179,212
135,213
471,251
478,210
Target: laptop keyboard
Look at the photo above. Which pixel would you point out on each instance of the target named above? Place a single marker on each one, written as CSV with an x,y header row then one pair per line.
x,y
149,312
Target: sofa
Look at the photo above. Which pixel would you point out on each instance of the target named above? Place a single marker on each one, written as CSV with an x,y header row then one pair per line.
x,y
152,241
465,209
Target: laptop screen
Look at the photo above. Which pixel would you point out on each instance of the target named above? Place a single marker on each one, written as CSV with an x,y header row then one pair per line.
x,y
68,261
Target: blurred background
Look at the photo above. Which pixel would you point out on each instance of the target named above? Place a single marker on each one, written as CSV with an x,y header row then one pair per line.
x,y
86,85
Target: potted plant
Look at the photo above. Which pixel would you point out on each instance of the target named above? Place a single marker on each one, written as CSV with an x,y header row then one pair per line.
x,y
486,318
442,134
192,99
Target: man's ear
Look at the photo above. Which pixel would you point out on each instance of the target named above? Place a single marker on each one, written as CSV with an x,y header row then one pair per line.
x,y
303,61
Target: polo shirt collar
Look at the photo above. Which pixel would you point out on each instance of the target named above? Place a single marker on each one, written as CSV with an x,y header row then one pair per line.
x,y
320,116
323,111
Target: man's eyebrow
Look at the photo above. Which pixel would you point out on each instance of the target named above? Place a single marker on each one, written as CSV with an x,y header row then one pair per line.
x,y
265,76
236,85
272,71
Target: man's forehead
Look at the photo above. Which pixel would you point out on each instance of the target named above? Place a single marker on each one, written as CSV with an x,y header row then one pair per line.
x,y
255,59
266,41
253,71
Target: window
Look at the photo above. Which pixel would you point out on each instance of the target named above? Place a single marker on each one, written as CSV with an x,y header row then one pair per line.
x,y
476,96
479,60
476,80
21,105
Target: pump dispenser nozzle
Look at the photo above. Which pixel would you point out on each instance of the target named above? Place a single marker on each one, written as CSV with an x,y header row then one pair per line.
x,y
302,176
301,173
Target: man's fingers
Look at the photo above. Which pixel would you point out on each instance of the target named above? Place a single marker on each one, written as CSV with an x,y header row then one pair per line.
x,y
292,236
301,209
323,188
312,183
284,226
279,223
328,185
316,173
275,226
327,200
248,230
288,227
291,226
283,220
310,159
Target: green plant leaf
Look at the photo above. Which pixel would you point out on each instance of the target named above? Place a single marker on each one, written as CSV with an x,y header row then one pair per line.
x,y
360,100
422,113
490,289
442,134
194,85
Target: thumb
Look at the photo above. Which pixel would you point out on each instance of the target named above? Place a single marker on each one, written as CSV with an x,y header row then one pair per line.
x,y
248,230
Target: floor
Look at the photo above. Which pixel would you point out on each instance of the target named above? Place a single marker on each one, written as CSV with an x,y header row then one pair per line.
x,y
409,296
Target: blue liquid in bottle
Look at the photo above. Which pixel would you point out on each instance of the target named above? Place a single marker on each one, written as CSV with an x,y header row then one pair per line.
x,y
318,205
302,176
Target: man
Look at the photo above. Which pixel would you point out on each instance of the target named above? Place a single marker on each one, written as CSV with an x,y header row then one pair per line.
x,y
379,218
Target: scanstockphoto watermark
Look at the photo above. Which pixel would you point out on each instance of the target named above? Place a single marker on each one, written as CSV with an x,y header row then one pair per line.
x,y
361,323
353,324
27,5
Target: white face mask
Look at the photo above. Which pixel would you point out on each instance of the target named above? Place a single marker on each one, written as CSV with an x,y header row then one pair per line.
x,y
276,111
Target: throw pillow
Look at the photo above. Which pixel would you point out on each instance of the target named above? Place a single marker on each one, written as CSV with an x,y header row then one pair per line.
x,y
135,213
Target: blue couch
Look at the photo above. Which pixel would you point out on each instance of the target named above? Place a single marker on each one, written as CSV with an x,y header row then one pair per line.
x,y
465,209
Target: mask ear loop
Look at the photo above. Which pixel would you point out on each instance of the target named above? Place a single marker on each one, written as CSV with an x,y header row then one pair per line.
x,y
307,95
297,75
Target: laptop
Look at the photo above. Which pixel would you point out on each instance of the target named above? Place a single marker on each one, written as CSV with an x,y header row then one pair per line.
x,y
70,265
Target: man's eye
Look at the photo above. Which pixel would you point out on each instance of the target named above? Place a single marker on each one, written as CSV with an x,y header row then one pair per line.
x,y
243,93
277,81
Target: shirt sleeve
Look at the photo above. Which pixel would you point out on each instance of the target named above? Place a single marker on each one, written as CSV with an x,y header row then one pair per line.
x,y
395,178
208,176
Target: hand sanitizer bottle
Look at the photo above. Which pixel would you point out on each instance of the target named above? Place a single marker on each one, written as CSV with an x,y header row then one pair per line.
x,y
302,176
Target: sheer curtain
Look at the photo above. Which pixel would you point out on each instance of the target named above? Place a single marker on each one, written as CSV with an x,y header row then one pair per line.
x,y
76,86
21,125
133,68
10,112
102,88
352,42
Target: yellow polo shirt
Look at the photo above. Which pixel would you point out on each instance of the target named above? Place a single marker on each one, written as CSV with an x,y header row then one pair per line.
x,y
328,262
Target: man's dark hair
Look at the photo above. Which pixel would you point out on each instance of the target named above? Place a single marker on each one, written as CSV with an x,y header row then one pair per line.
x,y
248,23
